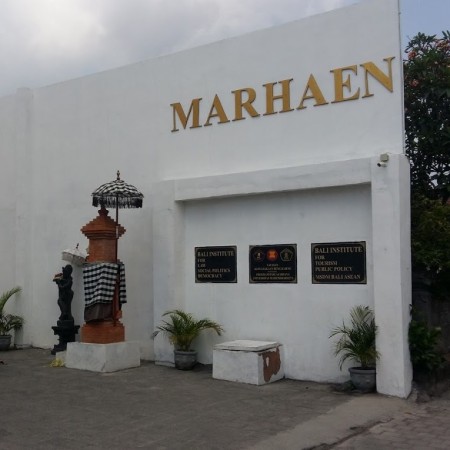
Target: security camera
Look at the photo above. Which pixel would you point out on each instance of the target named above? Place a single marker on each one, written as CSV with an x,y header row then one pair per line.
x,y
384,158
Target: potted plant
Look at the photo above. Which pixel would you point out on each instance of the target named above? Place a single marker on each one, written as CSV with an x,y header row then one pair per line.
x,y
357,342
8,322
181,329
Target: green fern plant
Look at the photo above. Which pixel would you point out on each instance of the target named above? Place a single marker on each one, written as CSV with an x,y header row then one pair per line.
x,y
357,340
9,322
182,328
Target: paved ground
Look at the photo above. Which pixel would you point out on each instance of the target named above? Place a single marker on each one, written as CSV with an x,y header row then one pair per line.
x,y
424,427
157,407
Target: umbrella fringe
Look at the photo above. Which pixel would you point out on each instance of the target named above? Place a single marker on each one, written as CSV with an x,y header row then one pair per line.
x,y
121,202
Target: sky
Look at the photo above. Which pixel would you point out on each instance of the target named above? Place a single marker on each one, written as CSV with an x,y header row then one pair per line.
x,y
47,41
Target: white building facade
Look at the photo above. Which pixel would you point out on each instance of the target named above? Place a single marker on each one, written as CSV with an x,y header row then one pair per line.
x,y
291,136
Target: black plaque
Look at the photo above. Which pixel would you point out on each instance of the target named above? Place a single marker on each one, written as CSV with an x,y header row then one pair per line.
x,y
273,263
339,263
215,264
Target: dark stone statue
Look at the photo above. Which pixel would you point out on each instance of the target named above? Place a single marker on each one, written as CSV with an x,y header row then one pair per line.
x,y
64,282
66,328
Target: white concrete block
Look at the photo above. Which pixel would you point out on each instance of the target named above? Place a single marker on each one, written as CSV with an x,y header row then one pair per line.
x,y
246,345
103,357
253,362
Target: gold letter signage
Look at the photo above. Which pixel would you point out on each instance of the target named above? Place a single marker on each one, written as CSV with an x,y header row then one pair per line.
x,y
339,263
278,96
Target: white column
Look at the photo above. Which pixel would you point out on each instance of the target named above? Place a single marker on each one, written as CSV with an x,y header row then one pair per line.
x,y
24,215
168,264
392,273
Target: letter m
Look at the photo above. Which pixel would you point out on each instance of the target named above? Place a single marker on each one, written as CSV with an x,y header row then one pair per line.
x,y
178,111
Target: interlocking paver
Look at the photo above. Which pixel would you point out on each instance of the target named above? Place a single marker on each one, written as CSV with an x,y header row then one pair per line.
x,y
158,407
426,427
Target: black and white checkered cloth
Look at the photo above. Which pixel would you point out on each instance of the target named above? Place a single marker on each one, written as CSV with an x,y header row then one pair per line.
x,y
100,281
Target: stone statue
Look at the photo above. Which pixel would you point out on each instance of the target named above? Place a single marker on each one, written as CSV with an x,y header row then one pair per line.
x,y
66,328
64,282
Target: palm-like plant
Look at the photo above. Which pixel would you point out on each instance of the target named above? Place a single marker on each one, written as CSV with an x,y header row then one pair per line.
x,y
357,341
9,322
183,328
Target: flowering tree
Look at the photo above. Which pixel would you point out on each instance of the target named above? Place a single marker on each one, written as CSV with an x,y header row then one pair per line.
x,y
427,114
427,126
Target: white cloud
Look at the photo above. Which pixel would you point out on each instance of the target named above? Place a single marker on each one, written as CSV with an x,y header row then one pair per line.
x,y
59,28
46,41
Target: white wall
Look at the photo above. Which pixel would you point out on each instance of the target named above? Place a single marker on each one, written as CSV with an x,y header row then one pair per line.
x,y
7,193
372,204
62,141
364,127
299,315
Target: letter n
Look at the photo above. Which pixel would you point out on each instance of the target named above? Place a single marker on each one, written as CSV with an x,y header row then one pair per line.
x,y
384,79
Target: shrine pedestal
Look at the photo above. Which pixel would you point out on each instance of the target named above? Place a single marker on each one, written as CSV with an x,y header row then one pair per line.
x,y
66,331
103,357
102,332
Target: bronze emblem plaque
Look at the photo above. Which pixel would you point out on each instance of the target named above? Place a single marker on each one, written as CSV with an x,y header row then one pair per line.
x,y
215,264
339,263
273,263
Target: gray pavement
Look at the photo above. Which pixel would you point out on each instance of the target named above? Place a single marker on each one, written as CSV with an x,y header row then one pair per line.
x,y
426,426
156,407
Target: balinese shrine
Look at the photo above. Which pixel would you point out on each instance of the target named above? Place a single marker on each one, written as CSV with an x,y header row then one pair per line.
x,y
101,276
276,195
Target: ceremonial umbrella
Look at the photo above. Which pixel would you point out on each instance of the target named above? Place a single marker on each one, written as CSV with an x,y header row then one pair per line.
x,y
117,194
74,255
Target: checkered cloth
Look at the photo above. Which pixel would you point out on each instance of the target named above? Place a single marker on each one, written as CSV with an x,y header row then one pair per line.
x,y
100,281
